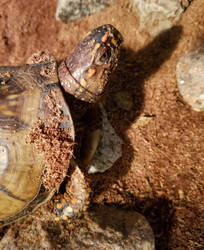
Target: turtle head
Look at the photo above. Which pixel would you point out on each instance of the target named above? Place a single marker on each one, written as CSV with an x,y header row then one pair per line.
x,y
87,69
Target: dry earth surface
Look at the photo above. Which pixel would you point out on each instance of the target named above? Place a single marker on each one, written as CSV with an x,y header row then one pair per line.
x,y
160,173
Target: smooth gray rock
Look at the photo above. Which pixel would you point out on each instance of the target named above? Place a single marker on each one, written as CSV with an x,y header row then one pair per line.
x,y
190,78
69,10
158,15
114,229
109,149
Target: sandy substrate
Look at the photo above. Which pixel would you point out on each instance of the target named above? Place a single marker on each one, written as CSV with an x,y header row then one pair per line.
x,y
160,173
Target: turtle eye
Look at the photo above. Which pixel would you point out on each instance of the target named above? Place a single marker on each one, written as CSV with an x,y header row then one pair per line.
x,y
104,56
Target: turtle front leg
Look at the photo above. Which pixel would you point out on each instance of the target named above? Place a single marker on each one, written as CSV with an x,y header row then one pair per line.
x,y
76,192
75,199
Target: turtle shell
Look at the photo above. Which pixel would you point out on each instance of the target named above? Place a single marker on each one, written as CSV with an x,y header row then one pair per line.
x,y
23,102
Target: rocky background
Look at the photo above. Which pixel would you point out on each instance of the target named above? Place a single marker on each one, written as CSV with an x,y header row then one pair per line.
x,y
160,173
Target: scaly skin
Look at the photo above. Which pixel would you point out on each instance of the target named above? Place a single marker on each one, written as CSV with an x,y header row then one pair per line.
x,y
86,71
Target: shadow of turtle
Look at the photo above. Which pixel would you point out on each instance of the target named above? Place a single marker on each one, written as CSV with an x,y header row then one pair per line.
x,y
159,215
133,70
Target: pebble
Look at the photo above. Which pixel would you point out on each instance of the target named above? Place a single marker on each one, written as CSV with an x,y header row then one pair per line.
x,y
109,149
157,15
190,78
113,228
141,121
69,10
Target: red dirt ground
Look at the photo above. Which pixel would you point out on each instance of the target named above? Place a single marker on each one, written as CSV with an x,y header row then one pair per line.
x,y
161,171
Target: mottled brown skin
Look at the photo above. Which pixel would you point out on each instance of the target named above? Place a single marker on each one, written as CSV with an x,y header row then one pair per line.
x,y
86,71
83,74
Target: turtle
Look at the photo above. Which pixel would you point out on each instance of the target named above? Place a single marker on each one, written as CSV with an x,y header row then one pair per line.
x,y
38,129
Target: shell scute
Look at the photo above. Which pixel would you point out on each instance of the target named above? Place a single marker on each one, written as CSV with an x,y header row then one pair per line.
x,y
23,92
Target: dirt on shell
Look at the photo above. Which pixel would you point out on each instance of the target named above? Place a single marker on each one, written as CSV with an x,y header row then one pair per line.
x,y
57,146
160,173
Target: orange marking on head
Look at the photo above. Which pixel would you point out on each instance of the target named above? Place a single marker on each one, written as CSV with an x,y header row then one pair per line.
x,y
109,65
105,37
95,48
79,214
64,217
114,42
59,205
63,201
58,196
87,195
90,73
87,202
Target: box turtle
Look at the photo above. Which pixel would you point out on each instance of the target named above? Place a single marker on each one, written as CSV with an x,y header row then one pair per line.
x,y
37,136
